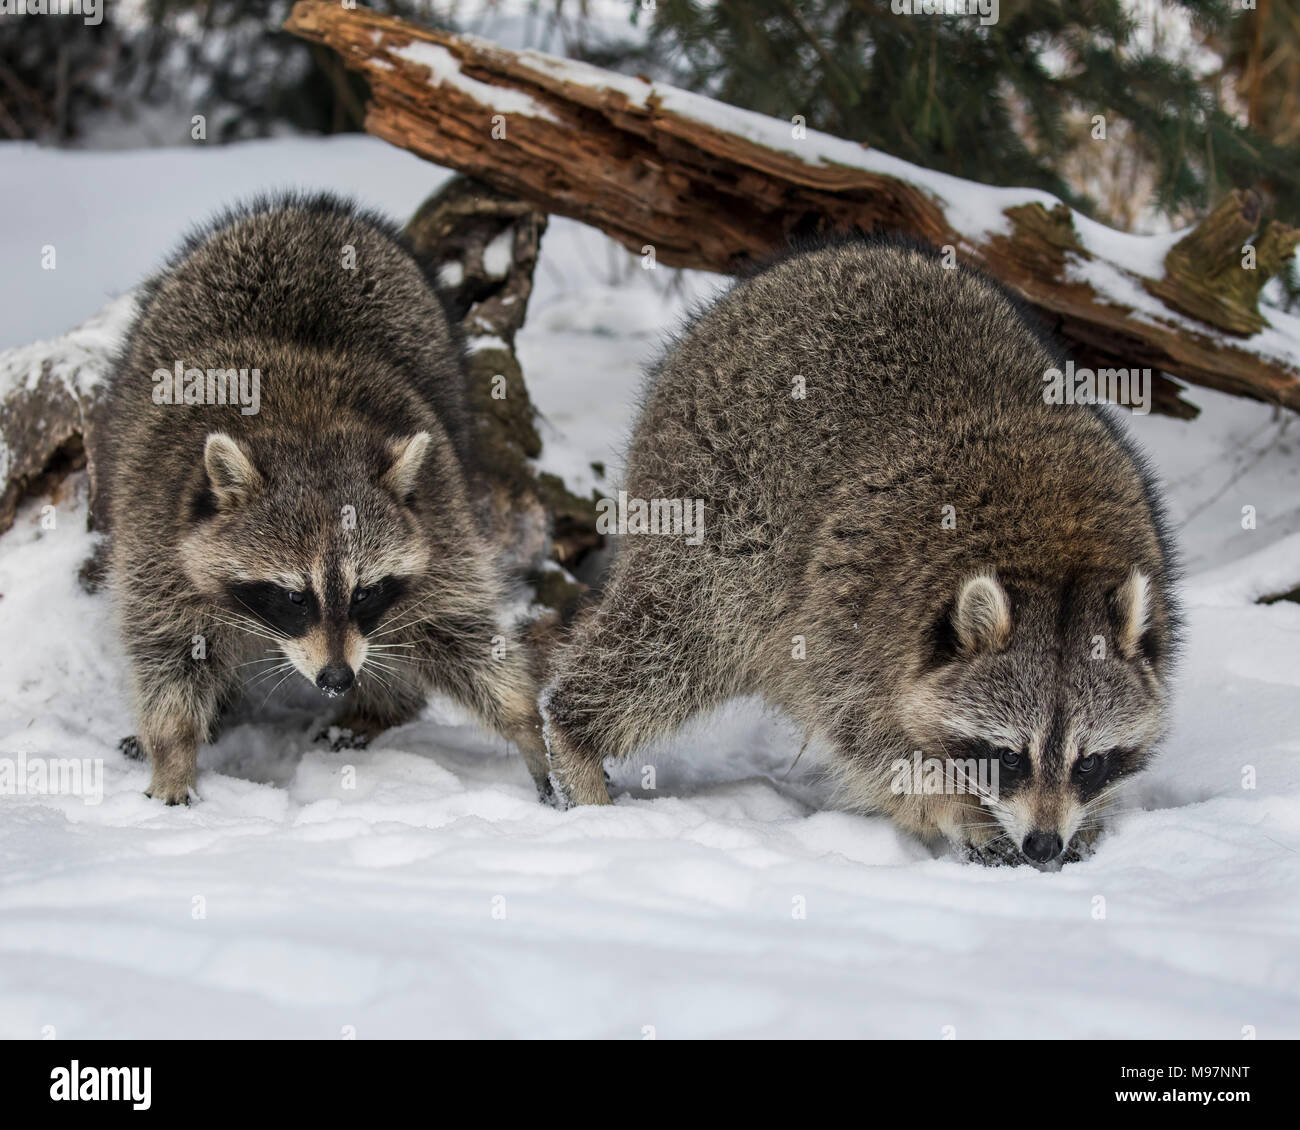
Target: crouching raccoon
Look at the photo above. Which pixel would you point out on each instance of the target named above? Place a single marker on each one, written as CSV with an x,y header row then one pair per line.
x,y
904,546
291,488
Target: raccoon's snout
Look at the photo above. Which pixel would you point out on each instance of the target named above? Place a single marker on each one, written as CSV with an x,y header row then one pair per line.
x,y
1042,847
335,679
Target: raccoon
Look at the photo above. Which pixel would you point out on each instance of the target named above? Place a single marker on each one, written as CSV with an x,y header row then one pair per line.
x,y
905,548
324,519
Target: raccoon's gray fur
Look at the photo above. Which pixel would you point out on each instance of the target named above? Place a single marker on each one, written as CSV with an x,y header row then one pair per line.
x,y
1036,634
336,529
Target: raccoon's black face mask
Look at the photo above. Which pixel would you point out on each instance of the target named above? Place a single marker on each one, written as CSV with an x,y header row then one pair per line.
x,y
1044,700
319,559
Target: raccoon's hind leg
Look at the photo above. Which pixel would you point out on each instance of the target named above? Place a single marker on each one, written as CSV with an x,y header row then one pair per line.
x,y
632,672
473,661
577,771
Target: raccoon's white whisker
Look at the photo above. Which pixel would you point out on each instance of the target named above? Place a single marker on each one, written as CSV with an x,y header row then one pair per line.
x,y
392,671
407,625
376,677
414,661
1102,821
252,631
251,617
272,691
257,635
1100,799
242,623
976,788
267,659
261,676
257,685
1112,812
993,803
387,683
385,662
393,620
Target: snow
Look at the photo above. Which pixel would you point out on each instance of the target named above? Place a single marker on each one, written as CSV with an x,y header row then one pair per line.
x,y
499,255
444,70
417,888
74,358
111,228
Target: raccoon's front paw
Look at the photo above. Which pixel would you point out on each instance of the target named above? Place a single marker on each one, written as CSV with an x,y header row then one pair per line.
x,y
169,792
997,852
132,748
1080,846
553,793
546,792
339,738
576,778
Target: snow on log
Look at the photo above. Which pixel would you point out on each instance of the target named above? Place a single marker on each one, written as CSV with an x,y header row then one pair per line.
x,y
701,184
51,405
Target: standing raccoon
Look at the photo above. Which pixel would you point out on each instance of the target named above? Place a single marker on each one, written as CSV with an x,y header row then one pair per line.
x,y
904,547
330,522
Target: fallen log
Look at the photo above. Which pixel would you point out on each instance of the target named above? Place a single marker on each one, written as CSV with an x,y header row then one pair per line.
x,y
695,183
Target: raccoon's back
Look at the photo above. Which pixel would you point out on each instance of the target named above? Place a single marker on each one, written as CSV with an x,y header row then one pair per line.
x,y
312,279
866,382
841,352
312,273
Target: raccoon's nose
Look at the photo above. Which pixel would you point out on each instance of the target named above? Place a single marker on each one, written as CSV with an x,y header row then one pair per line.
x,y
335,679
1042,846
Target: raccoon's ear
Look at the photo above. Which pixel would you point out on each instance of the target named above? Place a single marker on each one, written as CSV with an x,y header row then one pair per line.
x,y
1132,604
981,618
230,469
408,455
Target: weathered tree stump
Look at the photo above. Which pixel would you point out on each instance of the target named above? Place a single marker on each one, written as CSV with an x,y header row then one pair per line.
x,y
1207,273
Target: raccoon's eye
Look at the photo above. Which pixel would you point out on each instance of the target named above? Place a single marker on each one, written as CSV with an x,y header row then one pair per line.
x,y
360,595
1089,765
296,597
1012,762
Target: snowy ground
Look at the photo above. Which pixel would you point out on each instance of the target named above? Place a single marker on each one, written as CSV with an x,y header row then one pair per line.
x,y
437,898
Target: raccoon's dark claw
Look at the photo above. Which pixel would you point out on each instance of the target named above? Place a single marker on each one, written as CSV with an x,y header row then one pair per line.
x,y
171,800
554,794
340,738
1077,851
132,748
997,853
